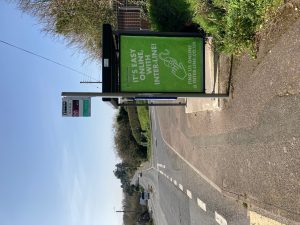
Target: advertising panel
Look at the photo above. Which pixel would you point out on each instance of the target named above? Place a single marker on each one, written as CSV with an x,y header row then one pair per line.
x,y
161,64
76,106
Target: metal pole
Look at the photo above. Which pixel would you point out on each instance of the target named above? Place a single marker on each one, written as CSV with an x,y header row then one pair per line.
x,y
152,104
145,95
126,211
90,82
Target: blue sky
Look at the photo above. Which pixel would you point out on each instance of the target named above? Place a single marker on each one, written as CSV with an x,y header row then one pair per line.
x,y
53,170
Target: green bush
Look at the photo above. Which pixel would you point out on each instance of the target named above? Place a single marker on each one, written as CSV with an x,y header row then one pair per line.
x,y
150,222
131,203
169,15
125,144
233,23
143,113
135,124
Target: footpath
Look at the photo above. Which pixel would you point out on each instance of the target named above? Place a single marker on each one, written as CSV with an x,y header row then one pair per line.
x,y
249,145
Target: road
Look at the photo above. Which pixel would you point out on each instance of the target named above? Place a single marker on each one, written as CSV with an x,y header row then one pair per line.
x,y
181,196
249,149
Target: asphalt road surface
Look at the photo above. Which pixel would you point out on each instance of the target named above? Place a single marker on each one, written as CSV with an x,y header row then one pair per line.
x,y
249,149
181,196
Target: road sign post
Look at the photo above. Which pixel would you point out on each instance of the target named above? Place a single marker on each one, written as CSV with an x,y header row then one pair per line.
x,y
76,106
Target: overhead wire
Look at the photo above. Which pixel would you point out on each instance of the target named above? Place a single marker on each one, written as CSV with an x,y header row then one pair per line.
x,y
47,59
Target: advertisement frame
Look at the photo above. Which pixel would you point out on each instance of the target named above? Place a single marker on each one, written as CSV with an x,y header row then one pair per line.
x,y
160,34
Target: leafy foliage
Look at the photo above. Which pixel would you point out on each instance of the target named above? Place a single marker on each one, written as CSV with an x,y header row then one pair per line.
x,y
135,124
233,23
131,155
131,202
124,172
78,21
143,114
125,144
169,15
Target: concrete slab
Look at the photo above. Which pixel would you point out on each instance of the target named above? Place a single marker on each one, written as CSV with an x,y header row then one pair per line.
x,y
211,84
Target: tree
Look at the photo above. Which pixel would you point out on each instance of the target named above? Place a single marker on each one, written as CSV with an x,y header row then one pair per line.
x,y
125,144
78,21
124,173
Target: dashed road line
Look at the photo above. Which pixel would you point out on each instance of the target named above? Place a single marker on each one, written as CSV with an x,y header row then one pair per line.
x,y
189,194
180,187
220,219
201,204
161,165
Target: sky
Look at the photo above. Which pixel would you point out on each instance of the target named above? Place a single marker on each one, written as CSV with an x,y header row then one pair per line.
x,y
53,170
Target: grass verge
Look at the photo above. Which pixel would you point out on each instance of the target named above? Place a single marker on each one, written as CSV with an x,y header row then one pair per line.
x,y
232,23
135,124
143,115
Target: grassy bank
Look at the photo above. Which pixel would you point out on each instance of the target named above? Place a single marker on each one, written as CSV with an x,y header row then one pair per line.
x,y
232,23
143,114
139,121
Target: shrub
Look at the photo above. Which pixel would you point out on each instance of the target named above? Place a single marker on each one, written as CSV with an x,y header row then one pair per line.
x,y
143,113
169,15
135,124
233,23
125,144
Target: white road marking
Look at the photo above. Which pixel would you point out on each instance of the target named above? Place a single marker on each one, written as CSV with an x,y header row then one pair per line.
x,y
160,172
175,182
171,179
189,194
220,219
180,187
161,165
201,204
168,177
190,165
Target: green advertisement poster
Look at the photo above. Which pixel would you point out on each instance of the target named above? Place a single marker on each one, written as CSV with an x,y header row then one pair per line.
x,y
161,64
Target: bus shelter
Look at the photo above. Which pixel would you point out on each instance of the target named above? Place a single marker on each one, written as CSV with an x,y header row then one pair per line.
x,y
152,65
149,65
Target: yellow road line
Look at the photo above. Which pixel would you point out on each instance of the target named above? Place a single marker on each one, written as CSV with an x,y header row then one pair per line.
x,y
257,219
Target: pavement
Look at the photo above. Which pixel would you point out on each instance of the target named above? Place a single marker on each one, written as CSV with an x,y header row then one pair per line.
x,y
211,84
250,148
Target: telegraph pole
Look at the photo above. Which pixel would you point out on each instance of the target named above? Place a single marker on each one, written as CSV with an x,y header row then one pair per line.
x,y
126,211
